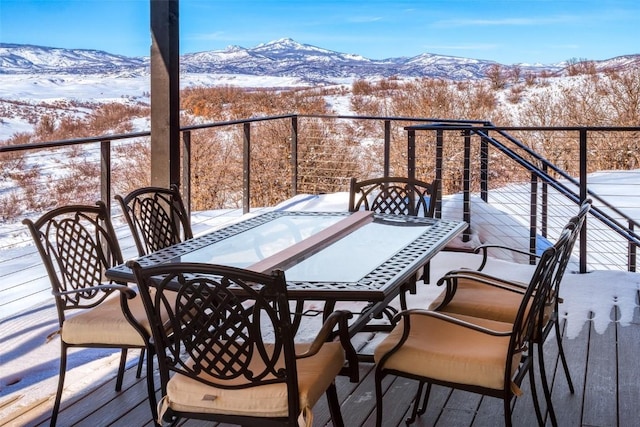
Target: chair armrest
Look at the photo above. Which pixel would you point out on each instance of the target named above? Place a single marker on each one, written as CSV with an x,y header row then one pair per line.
x,y
450,319
485,252
484,277
451,281
126,290
340,318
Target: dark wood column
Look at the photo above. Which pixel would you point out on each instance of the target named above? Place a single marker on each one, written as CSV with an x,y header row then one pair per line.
x,y
165,93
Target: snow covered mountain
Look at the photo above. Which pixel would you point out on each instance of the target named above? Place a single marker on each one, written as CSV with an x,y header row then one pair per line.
x,y
28,59
279,58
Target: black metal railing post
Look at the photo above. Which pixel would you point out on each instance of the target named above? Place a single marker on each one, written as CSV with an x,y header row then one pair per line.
x,y
387,147
438,171
583,197
294,156
105,173
533,220
544,224
484,168
466,184
246,168
632,251
411,153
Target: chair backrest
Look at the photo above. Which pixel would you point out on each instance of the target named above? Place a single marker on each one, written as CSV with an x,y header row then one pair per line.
x,y
157,218
222,325
575,224
393,195
77,244
532,309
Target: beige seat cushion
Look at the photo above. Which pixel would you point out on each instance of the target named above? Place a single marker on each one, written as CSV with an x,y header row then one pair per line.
x,y
106,324
448,352
315,374
480,300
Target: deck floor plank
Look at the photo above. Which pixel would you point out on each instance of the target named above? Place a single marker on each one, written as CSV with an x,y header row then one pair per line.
x,y
629,371
601,387
600,405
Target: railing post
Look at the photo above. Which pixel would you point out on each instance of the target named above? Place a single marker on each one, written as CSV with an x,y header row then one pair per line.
x,y
411,153
246,168
105,174
294,156
387,147
545,204
583,197
439,163
466,185
632,248
533,220
484,168
186,170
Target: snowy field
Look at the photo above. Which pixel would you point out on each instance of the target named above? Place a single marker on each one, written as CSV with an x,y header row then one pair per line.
x,y
29,361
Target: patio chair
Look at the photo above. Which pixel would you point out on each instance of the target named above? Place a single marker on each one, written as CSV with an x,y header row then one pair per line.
x,y
232,357
398,196
471,292
479,355
156,216
77,244
393,195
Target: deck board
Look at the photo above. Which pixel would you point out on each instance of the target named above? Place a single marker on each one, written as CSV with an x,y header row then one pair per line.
x,y
594,360
629,370
600,383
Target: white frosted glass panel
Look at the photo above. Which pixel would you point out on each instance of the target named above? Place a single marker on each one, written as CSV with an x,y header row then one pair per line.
x,y
255,244
354,256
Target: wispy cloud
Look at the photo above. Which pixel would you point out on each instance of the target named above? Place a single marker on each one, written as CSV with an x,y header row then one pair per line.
x,y
364,19
514,22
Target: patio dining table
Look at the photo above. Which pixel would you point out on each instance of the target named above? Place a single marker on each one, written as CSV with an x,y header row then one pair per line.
x,y
326,256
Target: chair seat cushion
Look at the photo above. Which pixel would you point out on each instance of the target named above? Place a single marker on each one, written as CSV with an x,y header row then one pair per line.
x,y
448,352
488,302
480,300
315,374
106,324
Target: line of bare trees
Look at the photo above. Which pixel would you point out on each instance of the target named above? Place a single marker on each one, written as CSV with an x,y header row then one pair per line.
x,y
330,150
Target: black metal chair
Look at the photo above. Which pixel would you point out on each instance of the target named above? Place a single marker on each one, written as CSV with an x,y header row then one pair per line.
x,y
474,354
398,196
156,216
393,195
77,244
468,294
231,357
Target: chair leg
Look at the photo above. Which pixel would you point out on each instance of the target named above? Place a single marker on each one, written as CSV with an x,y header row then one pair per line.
x,y
425,401
61,375
545,385
334,405
151,388
140,362
507,412
123,361
563,359
417,410
534,394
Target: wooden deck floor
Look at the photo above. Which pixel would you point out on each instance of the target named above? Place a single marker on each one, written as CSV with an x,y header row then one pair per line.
x,y
605,368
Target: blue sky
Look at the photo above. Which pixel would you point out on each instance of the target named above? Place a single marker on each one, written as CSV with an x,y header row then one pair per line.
x,y
507,31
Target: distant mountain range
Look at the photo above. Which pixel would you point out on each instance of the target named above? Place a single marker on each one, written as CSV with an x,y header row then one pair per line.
x,y
283,58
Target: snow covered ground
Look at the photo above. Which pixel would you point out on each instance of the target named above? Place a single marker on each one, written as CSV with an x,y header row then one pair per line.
x,y
29,361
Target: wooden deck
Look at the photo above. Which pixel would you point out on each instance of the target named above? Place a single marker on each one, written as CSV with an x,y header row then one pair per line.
x,y
604,366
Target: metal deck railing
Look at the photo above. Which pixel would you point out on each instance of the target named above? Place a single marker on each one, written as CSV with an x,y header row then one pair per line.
x,y
494,177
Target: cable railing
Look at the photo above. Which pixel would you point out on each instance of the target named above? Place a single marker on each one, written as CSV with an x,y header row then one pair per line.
x,y
476,162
